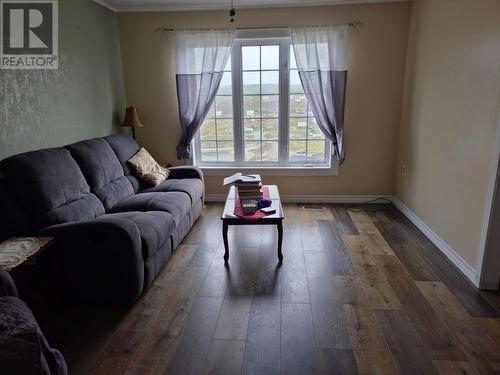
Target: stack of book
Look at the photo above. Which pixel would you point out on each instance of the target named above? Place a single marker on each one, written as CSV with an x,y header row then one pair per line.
x,y
248,191
248,186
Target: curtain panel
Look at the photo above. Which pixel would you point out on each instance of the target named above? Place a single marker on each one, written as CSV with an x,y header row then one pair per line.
x,y
321,56
201,56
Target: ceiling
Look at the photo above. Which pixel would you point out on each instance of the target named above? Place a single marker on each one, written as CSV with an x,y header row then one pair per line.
x,y
171,5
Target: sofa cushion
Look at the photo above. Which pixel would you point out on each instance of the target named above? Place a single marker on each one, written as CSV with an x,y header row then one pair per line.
x,y
102,170
176,204
50,187
125,147
147,169
191,186
13,220
23,347
155,228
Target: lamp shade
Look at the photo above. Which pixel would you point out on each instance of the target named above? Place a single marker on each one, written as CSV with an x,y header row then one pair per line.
x,y
132,118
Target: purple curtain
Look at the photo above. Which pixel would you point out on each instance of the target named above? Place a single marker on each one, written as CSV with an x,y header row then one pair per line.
x,y
321,56
201,56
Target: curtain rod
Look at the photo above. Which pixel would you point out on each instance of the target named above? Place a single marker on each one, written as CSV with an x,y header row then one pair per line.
x,y
353,25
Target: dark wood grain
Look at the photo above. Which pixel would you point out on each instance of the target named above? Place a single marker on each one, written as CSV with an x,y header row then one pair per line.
x,y
338,258
335,362
378,291
297,339
435,335
225,357
367,340
454,280
262,351
479,347
335,305
233,319
343,220
196,339
405,344
419,269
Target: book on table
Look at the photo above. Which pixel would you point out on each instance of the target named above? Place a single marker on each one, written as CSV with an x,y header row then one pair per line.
x,y
242,179
245,195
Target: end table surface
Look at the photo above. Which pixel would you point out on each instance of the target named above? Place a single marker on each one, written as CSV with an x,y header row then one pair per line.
x,y
18,250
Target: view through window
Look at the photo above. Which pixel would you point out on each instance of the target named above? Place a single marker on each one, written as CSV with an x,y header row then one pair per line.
x,y
260,115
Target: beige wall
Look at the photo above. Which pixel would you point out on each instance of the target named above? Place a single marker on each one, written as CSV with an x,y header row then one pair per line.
x,y
449,117
377,54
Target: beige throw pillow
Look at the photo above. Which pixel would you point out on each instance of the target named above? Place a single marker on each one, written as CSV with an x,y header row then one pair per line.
x,y
147,169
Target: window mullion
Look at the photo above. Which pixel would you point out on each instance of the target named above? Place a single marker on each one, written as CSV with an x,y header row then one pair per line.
x,y
284,101
238,123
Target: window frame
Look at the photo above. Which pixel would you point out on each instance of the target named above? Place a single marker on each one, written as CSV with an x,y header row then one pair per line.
x,y
283,162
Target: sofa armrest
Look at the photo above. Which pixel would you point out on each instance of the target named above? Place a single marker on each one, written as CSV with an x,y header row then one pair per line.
x,y
101,259
7,285
188,172
185,172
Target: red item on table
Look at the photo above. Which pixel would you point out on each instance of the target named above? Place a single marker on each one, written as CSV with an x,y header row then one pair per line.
x,y
238,210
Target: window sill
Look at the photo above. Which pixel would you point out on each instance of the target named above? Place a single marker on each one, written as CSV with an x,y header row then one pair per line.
x,y
272,171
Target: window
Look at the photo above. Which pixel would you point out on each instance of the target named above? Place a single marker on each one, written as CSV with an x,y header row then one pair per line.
x,y
260,68
260,116
306,141
216,135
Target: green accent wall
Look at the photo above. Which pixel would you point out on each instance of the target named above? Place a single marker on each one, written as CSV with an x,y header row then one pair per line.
x,y
84,98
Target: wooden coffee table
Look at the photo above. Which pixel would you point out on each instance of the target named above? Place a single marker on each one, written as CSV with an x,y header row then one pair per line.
x,y
229,218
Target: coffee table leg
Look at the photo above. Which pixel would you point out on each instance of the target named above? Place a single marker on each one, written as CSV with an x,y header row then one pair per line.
x,y
280,241
226,244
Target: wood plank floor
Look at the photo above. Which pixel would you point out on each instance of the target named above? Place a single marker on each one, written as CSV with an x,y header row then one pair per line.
x,y
360,291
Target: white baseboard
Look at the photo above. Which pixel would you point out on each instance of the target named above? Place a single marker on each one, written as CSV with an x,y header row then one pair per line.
x,y
313,198
451,254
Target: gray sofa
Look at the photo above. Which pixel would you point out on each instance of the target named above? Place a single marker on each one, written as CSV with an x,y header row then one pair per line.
x,y
23,347
113,234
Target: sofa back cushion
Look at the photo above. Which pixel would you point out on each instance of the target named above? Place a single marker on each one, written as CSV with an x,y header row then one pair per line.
x,y
50,187
102,170
125,147
13,219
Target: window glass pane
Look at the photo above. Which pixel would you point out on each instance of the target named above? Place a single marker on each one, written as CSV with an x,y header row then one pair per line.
x,y
251,106
270,57
225,85
293,63
269,151
251,83
226,151
224,107
224,129
252,129
252,151
228,64
270,82
207,131
295,84
270,129
250,56
297,151
298,128
314,130
298,105
270,105
316,150
211,112
209,151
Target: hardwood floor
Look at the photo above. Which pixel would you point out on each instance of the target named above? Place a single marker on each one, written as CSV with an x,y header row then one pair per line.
x,y
359,292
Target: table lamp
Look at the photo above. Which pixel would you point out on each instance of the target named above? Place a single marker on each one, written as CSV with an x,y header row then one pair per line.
x,y
131,120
